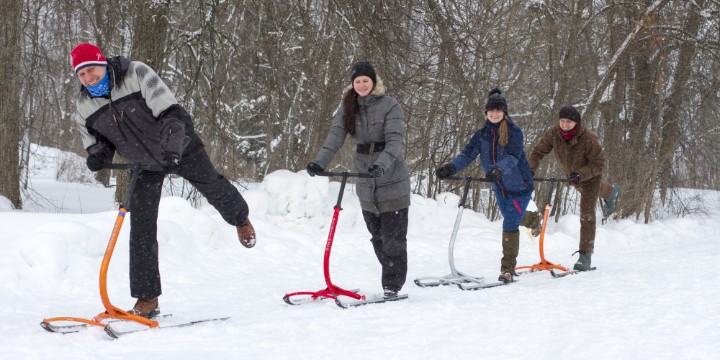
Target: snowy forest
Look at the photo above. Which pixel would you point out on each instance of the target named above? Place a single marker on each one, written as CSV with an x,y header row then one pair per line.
x,y
262,80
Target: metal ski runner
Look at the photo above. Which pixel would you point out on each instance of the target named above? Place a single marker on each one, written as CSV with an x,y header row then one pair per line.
x,y
379,299
69,329
115,334
468,286
571,272
310,299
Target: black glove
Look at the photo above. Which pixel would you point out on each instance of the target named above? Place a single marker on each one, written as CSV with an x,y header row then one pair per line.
x,y
98,154
314,169
172,161
494,174
376,171
95,162
445,171
574,177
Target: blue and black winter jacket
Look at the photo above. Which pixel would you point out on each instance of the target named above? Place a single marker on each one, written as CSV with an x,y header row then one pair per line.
x,y
516,178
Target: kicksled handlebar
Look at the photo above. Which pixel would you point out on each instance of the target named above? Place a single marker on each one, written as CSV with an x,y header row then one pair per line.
x,y
116,166
470,178
343,174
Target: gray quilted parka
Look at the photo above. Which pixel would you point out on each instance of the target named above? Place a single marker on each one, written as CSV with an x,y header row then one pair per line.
x,y
380,119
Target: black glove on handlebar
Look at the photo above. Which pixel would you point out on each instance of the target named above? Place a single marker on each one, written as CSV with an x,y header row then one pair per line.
x,y
445,171
314,169
494,174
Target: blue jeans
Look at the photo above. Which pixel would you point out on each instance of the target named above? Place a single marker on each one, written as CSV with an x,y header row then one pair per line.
x,y
512,209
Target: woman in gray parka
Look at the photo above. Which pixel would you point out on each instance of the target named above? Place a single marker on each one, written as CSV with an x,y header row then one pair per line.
x,y
376,121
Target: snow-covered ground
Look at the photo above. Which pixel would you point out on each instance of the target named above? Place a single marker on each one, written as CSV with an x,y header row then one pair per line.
x,y
652,297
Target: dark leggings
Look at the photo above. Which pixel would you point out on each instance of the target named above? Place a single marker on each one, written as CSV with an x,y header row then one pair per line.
x,y
199,171
389,240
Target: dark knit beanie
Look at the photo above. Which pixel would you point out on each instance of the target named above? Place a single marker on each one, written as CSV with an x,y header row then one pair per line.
x,y
570,113
363,68
496,101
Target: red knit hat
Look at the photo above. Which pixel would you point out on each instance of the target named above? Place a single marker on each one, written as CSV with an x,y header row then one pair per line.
x,y
87,54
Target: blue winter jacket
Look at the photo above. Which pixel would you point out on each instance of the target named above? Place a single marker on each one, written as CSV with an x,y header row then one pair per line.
x,y
516,176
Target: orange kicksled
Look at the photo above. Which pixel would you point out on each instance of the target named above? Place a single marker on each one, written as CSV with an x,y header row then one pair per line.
x,y
111,311
544,264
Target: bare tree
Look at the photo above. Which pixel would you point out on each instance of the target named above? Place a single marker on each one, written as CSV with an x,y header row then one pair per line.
x,y
150,24
10,114
263,79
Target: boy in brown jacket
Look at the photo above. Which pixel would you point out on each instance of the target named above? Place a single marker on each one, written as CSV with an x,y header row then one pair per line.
x,y
581,156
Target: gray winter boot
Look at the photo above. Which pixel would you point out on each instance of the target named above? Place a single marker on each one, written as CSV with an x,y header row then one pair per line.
x,y
583,263
611,201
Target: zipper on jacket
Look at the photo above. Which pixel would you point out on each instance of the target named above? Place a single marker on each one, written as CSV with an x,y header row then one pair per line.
x,y
112,105
118,121
364,119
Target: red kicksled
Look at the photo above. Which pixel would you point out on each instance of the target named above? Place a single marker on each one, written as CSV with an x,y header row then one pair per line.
x,y
331,291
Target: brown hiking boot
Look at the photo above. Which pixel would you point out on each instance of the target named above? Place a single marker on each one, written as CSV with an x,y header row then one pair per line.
x,y
537,229
506,277
246,234
533,221
147,308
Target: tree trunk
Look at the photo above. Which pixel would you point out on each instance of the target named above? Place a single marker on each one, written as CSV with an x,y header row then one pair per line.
x,y
672,116
10,115
148,45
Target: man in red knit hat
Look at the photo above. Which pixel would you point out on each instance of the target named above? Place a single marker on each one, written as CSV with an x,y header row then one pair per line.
x,y
124,107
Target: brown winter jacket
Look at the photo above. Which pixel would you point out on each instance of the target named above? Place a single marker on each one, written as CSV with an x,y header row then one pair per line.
x,y
582,153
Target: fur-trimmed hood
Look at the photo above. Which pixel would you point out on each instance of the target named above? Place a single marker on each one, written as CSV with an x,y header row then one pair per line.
x,y
378,90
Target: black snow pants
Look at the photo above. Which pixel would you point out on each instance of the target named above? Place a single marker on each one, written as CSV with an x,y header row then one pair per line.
x,y
197,169
389,240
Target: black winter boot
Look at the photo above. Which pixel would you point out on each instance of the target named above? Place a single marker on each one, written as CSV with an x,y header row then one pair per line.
x,y
390,293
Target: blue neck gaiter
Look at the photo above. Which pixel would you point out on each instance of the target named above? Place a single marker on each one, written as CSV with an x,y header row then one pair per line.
x,y
100,88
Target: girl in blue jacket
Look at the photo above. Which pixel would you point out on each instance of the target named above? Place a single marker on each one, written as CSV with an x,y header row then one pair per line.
x,y
500,146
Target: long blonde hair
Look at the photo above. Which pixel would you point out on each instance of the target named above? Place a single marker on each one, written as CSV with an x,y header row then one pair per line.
x,y
504,131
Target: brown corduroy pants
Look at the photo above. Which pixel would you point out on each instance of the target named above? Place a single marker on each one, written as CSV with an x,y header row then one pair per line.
x,y
589,193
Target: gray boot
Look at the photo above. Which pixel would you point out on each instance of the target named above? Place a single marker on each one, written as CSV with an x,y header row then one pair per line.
x,y
611,201
583,263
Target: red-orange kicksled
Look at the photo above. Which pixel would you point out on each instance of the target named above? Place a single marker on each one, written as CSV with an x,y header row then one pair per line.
x,y
111,311
544,264
331,291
